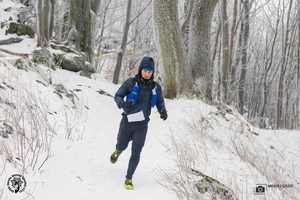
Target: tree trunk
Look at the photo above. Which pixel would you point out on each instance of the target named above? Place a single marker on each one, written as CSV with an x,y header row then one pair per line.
x,y
96,21
123,44
103,23
80,19
268,67
283,70
219,73
66,20
46,9
95,4
188,8
242,81
231,48
43,23
199,46
238,53
298,70
52,18
216,69
225,51
40,35
233,31
175,71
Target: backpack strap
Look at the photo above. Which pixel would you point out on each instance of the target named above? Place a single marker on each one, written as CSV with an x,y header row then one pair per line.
x,y
133,94
154,96
135,90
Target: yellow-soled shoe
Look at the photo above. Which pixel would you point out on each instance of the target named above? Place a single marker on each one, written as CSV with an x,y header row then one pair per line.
x,y
128,184
114,156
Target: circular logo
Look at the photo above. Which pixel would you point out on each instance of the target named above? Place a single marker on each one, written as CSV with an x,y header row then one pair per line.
x,y
16,183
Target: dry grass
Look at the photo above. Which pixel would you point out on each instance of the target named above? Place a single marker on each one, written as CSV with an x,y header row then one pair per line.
x,y
28,146
193,151
190,153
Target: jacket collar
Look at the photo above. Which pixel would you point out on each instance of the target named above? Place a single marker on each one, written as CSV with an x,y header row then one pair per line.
x,y
144,82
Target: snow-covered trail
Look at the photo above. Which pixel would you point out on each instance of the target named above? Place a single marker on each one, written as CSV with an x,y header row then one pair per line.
x,y
82,170
79,168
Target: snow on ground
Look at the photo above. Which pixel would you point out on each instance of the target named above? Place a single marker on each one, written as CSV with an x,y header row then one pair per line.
x,y
79,168
4,4
230,150
28,43
25,46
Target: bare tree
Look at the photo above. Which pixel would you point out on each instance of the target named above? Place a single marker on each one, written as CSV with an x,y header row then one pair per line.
x,y
100,32
59,20
225,51
199,46
95,5
51,26
283,67
216,95
238,53
80,20
232,35
43,23
298,68
244,63
123,44
267,68
188,8
245,23
171,48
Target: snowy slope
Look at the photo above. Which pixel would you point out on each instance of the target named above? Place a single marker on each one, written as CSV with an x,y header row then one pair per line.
x,y
79,167
82,164
28,43
218,143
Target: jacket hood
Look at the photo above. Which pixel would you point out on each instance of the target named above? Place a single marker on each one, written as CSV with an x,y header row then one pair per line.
x,y
147,62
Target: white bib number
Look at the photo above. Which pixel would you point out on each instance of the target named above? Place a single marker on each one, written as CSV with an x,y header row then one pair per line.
x,y
136,117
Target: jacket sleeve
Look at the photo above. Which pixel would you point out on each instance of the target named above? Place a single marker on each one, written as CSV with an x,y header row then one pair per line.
x,y
160,105
122,92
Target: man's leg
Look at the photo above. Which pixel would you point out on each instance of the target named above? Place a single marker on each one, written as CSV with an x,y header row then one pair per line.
x,y
134,159
138,141
124,135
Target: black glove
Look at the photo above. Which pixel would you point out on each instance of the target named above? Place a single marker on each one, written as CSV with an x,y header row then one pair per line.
x,y
127,106
164,115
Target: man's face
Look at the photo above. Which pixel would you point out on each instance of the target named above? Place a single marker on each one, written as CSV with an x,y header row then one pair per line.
x,y
146,74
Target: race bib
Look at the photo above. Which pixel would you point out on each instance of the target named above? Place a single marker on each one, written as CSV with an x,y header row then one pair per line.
x,y
136,117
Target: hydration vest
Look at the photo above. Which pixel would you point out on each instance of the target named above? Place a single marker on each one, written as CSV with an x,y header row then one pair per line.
x,y
135,91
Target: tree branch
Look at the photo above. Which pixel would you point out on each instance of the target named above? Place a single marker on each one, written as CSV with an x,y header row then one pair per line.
x,y
141,12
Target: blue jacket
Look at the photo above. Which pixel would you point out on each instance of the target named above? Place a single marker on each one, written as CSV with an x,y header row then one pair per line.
x,y
144,98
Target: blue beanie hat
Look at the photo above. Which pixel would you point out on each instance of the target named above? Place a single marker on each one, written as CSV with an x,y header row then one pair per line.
x,y
147,63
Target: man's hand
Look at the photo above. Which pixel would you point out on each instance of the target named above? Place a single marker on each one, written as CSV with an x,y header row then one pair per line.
x,y
127,106
164,115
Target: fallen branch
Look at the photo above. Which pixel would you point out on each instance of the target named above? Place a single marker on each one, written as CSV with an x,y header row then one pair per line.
x,y
10,41
65,48
25,55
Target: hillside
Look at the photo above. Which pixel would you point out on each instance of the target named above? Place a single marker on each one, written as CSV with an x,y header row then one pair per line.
x,y
58,129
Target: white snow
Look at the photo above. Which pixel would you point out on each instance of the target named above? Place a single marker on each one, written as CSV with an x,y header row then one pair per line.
x,y
79,168
28,43
25,46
